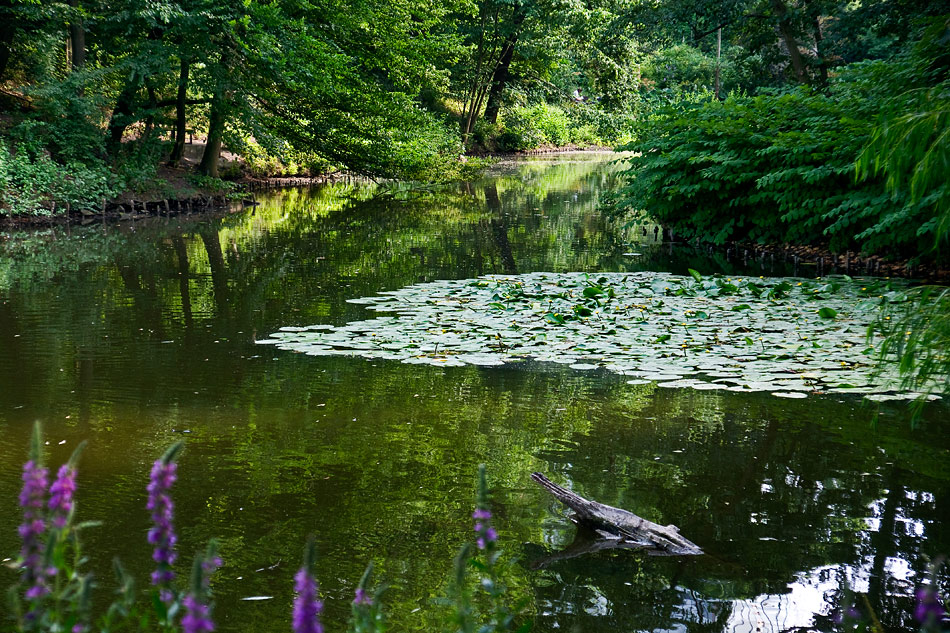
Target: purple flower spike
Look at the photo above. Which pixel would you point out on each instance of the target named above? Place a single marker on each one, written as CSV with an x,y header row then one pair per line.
x,y
197,616
307,607
486,533
162,534
33,528
362,598
929,608
61,496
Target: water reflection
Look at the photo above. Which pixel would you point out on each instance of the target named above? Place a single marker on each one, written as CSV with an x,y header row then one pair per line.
x,y
135,336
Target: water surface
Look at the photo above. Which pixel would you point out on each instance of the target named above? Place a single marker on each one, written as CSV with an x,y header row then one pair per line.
x,y
136,336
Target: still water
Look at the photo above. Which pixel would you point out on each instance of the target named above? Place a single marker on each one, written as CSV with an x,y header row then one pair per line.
x,y
136,336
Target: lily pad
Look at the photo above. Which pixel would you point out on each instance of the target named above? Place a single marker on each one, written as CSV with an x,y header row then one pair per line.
x,y
681,331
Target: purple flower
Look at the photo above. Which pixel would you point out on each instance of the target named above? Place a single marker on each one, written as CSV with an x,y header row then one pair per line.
x,y
362,598
33,528
929,608
61,495
162,533
197,616
486,533
307,607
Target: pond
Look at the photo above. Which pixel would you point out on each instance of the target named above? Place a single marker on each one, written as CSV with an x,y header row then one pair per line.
x,y
137,336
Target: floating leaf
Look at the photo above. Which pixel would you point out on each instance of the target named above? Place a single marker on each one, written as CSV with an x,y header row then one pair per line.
x,y
761,335
827,313
695,274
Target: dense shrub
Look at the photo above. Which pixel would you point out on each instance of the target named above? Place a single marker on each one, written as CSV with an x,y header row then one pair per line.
x,y
34,184
594,125
531,127
779,168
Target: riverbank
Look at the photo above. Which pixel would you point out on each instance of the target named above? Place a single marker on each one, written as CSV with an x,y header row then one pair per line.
x,y
818,261
172,191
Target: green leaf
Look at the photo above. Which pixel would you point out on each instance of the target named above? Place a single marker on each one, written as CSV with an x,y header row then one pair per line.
x,y
695,274
827,313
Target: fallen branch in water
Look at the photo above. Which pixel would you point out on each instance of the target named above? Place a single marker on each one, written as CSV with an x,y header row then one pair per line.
x,y
616,524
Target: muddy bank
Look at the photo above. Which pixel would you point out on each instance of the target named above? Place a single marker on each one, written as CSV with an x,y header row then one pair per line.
x,y
817,261
175,199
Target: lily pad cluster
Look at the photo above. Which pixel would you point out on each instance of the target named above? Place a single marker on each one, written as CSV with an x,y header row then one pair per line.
x,y
787,336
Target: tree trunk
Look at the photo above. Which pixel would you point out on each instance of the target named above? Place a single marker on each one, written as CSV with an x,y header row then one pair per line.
x,y
77,39
785,29
216,120
501,74
6,41
718,59
816,25
620,524
122,114
500,79
150,119
178,150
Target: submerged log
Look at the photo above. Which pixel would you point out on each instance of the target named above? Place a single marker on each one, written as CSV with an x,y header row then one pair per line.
x,y
619,524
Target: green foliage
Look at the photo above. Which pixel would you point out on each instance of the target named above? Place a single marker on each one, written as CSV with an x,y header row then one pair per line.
x,y
544,125
680,68
33,184
916,334
59,596
531,127
777,168
910,146
595,125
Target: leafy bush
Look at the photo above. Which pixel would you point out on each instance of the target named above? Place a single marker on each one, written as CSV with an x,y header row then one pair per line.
x,y
531,127
523,128
594,125
34,184
65,121
680,68
776,168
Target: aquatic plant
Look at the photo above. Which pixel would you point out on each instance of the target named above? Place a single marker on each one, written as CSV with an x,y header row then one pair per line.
x,y
367,612
788,336
61,496
33,528
485,558
197,616
307,606
57,595
162,533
